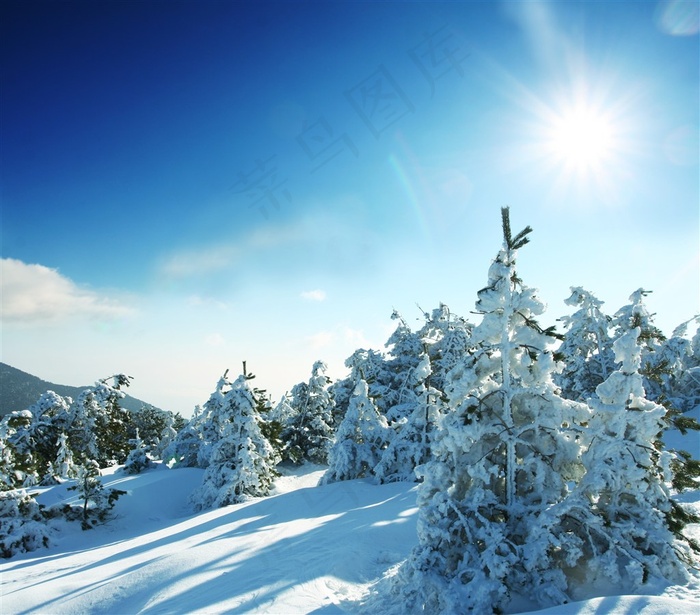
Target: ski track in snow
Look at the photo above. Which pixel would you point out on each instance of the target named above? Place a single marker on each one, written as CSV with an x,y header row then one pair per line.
x,y
305,549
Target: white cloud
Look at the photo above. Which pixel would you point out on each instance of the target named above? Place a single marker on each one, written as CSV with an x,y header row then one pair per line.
x,y
314,295
215,339
209,259
324,236
322,339
356,337
35,293
197,262
201,301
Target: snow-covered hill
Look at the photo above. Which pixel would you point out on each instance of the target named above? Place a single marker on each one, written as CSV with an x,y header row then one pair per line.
x,y
305,549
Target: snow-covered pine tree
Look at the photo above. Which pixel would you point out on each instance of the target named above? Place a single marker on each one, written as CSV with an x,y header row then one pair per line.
x,y
674,380
113,420
152,424
504,456
359,441
411,438
96,501
82,426
183,451
658,363
371,366
446,337
137,460
405,351
49,420
97,425
309,433
242,462
280,417
621,509
23,525
636,315
18,436
678,386
7,459
283,411
64,465
167,436
270,427
586,351
211,421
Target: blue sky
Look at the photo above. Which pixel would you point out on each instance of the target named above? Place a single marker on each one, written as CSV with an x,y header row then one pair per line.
x,y
193,184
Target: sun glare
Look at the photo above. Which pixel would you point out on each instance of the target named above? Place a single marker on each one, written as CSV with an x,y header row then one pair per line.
x,y
582,139
584,144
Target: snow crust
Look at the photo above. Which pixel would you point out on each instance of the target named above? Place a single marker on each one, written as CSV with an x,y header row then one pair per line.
x,y
305,549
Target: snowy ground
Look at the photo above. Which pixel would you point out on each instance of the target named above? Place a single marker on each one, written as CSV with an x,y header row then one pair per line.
x,y
306,549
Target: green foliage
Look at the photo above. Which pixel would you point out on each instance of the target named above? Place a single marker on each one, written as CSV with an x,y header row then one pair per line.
x,y
677,518
138,459
96,501
686,472
22,524
112,432
517,242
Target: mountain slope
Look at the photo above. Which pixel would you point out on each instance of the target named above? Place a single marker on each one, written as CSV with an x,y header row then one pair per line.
x,y
19,390
305,549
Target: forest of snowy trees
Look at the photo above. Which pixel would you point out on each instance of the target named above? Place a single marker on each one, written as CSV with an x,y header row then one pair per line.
x,y
539,453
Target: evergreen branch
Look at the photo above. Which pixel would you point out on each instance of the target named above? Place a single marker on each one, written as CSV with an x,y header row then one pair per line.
x,y
520,239
513,243
505,218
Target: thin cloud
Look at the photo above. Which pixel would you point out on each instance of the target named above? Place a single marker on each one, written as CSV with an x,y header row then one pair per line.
x,y
322,339
314,295
34,293
356,337
215,339
278,248
198,262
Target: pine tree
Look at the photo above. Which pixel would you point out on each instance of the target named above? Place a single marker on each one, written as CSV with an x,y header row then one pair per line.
x,y
210,423
153,424
112,421
183,450
405,350
308,435
29,440
50,417
622,509
586,351
83,425
270,427
167,437
359,441
63,467
19,437
242,462
371,366
96,501
635,315
504,456
447,338
23,525
410,444
138,459
280,416
662,366
679,386
8,475
675,384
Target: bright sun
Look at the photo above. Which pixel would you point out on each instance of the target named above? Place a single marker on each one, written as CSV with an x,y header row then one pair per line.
x,y
581,138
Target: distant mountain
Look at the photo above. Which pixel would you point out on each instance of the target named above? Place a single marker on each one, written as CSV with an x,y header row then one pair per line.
x,y
19,390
